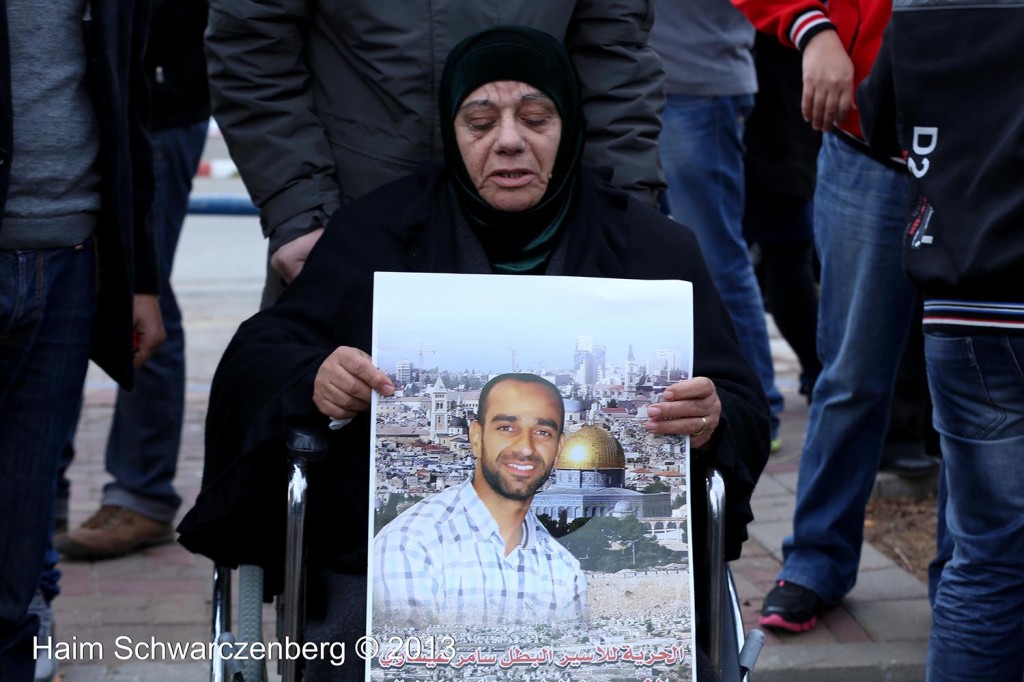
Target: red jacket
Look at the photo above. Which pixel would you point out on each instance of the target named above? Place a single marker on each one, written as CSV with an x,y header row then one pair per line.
x,y
859,23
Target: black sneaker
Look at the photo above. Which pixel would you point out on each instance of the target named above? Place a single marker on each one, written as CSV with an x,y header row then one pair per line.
x,y
790,607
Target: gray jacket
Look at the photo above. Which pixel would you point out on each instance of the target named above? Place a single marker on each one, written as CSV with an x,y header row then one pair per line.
x,y
321,102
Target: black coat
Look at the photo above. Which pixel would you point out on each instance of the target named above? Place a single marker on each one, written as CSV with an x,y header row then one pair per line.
x,y
126,256
265,378
946,94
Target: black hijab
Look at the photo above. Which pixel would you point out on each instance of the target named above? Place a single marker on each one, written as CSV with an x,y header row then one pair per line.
x,y
521,241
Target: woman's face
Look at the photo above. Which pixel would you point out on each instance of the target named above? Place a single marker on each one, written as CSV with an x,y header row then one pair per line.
x,y
508,134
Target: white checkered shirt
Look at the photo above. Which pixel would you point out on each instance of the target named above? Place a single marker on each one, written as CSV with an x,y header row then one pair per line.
x,y
443,561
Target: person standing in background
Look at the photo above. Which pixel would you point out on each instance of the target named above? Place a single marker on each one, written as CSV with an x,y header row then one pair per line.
x,y
138,506
780,168
710,82
865,306
321,102
76,258
964,251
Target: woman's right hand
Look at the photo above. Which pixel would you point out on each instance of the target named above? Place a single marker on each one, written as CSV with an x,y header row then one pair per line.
x,y
344,381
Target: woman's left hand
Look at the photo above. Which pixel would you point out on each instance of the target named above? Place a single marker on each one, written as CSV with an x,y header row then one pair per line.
x,y
688,407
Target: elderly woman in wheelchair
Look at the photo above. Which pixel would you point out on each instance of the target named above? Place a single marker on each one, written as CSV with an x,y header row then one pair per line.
x,y
510,196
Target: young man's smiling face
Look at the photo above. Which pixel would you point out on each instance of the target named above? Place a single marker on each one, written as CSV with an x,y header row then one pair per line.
x,y
517,439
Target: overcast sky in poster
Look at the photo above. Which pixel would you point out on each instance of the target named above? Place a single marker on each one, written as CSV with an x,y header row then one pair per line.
x,y
473,322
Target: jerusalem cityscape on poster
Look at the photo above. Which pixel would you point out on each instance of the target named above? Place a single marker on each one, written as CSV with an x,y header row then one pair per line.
x,y
543,534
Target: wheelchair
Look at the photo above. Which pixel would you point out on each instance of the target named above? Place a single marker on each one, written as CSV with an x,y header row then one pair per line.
x,y
733,652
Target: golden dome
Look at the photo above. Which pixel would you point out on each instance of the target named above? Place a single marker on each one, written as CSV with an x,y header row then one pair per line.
x,y
592,447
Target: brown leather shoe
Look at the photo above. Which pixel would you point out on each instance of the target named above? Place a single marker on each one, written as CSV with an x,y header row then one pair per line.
x,y
112,532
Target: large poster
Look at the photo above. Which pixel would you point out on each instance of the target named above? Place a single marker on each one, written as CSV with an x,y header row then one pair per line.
x,y
524,523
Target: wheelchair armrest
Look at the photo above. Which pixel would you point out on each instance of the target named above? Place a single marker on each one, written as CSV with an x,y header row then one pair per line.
x,y
307,441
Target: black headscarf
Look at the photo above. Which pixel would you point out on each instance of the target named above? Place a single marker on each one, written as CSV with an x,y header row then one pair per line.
x,y
518,241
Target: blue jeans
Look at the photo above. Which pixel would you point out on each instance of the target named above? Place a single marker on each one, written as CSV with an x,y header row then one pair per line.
x,y
864,316
943,542
145,434
977,386
47,303
702,153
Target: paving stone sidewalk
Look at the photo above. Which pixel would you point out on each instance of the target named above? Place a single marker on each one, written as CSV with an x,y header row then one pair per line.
x,y
163,594
879,632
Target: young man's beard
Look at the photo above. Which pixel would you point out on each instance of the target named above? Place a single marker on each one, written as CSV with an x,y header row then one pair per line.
x,y
492,474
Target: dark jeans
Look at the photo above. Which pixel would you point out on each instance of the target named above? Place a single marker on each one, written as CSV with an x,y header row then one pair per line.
x,y
977,387
702,153
47,303
783,228
145,434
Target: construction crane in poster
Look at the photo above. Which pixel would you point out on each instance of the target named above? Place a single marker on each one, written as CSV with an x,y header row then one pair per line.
x,y
420,352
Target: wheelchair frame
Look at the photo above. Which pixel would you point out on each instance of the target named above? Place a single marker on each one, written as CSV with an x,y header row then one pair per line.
x,y
733,654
